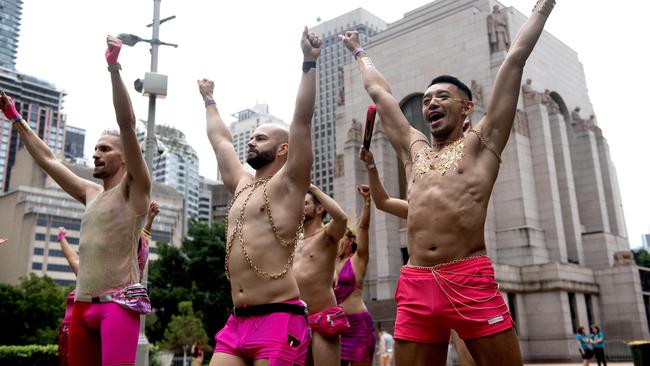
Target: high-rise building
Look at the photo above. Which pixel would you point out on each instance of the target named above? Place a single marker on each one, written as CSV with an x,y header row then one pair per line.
x,y
40,104
646,241
247,121
206,186
176,164
330,93
35,207
220,199
554,229
10,14
75,138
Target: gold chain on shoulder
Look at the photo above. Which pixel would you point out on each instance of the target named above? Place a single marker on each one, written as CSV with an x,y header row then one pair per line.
x,y
239,231
485,143
410,152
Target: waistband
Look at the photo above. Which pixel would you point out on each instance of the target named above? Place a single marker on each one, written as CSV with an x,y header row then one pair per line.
x,y
456,264
95,299
265,309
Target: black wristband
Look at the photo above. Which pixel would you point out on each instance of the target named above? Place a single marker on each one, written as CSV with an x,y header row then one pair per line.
x,y
307,65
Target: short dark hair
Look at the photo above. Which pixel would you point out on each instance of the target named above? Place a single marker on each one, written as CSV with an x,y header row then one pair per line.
x,y
317,203
454,81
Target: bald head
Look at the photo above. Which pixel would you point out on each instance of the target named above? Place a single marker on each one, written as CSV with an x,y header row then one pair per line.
x,y
277,132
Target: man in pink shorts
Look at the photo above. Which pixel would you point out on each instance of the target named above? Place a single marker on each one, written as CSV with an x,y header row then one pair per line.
x,y
314,270
449,282
265,216
105,316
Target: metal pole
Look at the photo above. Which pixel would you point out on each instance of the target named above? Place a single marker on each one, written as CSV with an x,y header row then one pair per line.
x,y
142,356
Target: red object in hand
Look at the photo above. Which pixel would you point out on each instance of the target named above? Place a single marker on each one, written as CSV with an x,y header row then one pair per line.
x,y
370,125
9,108
113,54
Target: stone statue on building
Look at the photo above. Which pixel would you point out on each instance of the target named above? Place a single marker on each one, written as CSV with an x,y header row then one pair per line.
x,y
521,123
530,96
354,133
340,100
575,116
498,30
550,103
623,258
477,94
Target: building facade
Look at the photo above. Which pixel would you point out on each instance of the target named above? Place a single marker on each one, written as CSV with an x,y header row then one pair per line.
x,y
75,138
11,12
206,187
40,104
35,207
177,165
331,93
555,228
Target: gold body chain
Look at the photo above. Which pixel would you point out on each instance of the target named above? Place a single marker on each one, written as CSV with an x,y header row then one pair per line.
x,y
485,143
239,231
442,161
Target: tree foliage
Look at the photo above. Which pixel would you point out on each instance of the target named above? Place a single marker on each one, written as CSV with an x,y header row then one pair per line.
x,y
32,311
194,272
184,329
641,257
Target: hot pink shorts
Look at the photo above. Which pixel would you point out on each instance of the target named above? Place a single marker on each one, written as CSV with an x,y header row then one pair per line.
x,y
461,295
282,338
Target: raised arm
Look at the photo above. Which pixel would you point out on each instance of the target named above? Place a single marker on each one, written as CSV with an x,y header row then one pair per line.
x,y
363,237
300,155
232,170
336,228
395,125
137,173
68,252
154,210
75,186
497,123
383,201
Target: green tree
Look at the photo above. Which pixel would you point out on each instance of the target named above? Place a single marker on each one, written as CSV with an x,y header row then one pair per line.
x,y
184,329
194,272
641,257
32,311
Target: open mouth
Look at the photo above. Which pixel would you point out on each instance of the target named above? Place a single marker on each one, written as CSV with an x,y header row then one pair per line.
x,y
98,164
436,116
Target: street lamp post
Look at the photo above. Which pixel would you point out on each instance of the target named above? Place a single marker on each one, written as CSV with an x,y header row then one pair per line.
x,y
142,358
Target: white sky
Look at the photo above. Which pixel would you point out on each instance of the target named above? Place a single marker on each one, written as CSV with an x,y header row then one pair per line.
x,y
251,50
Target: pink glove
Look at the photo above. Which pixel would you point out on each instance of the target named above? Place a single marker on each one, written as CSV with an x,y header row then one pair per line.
x,y
9,108
113,54
61,235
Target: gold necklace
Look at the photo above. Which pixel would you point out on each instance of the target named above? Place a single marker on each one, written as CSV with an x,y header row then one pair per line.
x,y
442,161
239,229
312,234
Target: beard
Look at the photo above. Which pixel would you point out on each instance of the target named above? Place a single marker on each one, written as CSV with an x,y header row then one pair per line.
x,y
261,159
310,215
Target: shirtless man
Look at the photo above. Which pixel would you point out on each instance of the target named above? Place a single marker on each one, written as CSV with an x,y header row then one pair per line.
x,y
263,224
314,271
102,330
449,188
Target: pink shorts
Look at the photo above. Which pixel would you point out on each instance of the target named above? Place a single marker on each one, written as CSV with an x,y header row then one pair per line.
x,y
329,322
282,338
102,334
461,295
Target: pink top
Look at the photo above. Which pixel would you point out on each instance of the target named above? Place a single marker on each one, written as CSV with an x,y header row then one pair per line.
x,y
346,283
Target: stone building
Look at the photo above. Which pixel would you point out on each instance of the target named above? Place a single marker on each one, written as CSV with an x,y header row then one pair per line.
x,y
555,227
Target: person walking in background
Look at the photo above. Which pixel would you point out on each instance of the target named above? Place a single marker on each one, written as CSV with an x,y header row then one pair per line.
x,y
385,347
584,344
598,344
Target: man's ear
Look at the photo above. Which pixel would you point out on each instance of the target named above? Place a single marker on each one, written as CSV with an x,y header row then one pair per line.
x,y
283,149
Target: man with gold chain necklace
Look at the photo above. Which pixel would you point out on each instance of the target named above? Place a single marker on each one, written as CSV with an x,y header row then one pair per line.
x,y
314,269
269,325
448,282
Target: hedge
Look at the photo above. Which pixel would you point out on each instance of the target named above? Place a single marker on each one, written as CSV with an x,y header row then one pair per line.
x,y
32,355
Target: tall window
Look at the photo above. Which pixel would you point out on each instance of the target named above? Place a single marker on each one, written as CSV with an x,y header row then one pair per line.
x,y
412,109
590,310
572,310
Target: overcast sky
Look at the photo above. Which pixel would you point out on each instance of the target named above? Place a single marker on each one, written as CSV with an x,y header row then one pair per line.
x,y
251,50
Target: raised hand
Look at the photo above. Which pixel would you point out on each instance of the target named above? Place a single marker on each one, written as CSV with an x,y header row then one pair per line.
x,y
8,107
114,45
310,45
3,240
206,88
61,234
154,209
364,191
350,40
367,157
